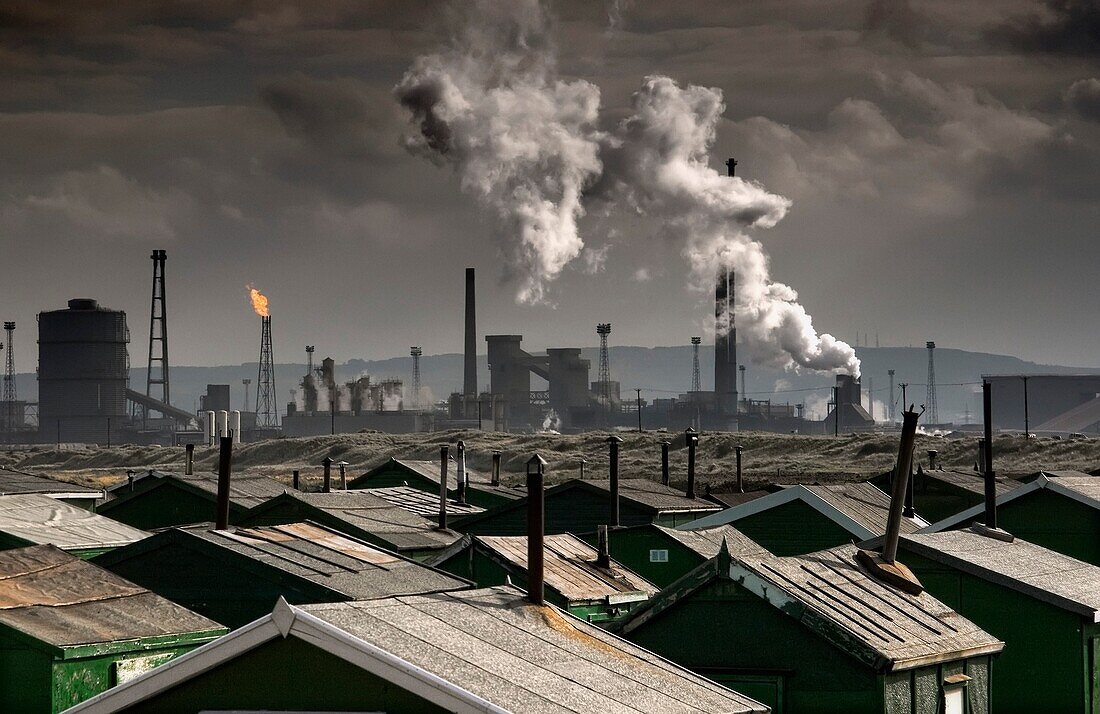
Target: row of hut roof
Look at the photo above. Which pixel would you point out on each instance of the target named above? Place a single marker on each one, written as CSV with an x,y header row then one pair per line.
x,y
415,592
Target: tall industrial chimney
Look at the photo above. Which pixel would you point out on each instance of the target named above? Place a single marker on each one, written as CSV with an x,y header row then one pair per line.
x,y
469,380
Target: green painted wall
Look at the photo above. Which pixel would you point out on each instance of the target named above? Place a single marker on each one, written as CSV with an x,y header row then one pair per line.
x,y
632,546
574,510
26,680
793,528
933,499
226,588
163,506
1045,665
286,674
397,476
1054,522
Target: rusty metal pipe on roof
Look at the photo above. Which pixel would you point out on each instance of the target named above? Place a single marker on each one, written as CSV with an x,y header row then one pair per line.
x,y
189,468
613,478
897,491
603,557
443,487
460,473
496,469
692,440
990,475
664,463
932,453
536,529
327,464
295,479
225,468
740,482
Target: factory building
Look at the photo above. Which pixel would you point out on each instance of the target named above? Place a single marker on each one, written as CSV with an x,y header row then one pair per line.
x,y
1046,403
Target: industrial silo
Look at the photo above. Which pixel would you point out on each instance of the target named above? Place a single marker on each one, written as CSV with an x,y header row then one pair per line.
x,y
83,368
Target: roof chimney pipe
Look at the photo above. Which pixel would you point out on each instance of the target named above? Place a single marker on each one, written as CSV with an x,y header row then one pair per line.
x,y
740,482
443,458
603,559
613,477
692,440
460,472
932,453
469,380
536,527
189,468
343,475
295,480
496,469
327,464
225,467
664,462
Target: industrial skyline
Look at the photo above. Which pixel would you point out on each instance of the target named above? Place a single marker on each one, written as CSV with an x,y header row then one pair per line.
x,y
973,128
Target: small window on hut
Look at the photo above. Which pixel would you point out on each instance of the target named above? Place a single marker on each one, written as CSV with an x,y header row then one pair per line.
x,y
954,694
658,556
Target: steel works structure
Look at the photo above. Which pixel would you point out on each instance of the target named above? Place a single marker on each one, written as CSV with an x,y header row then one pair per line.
x,y
267,411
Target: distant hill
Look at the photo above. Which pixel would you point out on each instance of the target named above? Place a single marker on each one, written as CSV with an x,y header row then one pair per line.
x,y
658,371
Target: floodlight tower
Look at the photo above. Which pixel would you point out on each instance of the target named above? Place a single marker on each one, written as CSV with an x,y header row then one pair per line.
x,y
603,329
416,352
695,381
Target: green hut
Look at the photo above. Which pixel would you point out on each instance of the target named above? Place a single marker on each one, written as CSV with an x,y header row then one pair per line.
x,y
663,555
575,579
817,633
70,630
581,506
806,518
424,476
162,500
939,493
1061,513
1044,605
359,514
475,651
234,576
34,519
15,482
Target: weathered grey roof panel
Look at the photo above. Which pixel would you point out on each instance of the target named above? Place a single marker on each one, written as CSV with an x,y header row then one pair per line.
x,y
864,503
40,519
708,541
651,494
421,502
16,482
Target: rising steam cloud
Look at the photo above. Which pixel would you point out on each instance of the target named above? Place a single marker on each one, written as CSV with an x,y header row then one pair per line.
x,y
521,140
524,142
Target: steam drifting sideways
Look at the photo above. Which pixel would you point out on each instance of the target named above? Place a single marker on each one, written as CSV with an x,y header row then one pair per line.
x,y
525,144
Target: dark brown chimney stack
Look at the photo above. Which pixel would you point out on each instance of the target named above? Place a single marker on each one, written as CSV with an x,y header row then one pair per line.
x,y
990,476
536,528
469,378
460,473
603,557
496,469
130,480
932,453
740,482
225,467
189,468
295,480
327,464
613,477
692,440
443,487
664,462
900,485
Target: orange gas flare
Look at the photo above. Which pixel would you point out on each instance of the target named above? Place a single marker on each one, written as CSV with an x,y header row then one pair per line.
x,y
259,301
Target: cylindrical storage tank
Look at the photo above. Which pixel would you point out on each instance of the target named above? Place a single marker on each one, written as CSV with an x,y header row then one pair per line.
x,y
235,425
223,423
211,428
83,372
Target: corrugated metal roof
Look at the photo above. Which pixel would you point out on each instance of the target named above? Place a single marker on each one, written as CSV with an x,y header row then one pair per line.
x,y
1031,569
325,557
430,471
863,503
421,502
41,519
903,630
649,494
570,567
708,541
375,515
64,601
523,658
969,480
16,482
245,490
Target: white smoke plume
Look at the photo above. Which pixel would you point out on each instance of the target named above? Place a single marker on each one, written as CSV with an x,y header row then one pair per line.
x,y
657,163
522,141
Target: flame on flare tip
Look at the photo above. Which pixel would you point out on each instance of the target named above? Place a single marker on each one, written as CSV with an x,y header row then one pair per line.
x,y
259,301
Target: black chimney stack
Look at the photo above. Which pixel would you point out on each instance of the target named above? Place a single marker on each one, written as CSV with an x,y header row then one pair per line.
x,y
295,480
932,453
692,440
460,472
189,468
327,464
990,475
496,469
469,380
130,480
664,462
613,477
536,527
225,467
603,558
740,482
443,487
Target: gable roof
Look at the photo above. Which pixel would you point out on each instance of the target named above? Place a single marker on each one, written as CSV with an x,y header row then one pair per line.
x,y
1030,569
1082,488
371,514
430,471
570,568
859,508
831,594
707,542
40,519
483,650
60,600
420,502
245,490
644,493
13,481
970,481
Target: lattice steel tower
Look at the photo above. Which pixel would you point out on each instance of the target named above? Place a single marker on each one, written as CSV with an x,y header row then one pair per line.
x,y
695,381
603,329
9,377
267,412
158,335
416,352
933,411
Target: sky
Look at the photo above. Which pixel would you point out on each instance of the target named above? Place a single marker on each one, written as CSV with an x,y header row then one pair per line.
x,y
940,161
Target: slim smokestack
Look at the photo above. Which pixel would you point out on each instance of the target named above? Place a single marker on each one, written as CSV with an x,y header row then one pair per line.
x,y
603,558
613,477
443,488
536,527
496,469
295,479
721,338
460,472
990,476
664,462
692,440
932,453
225,467
189,469
469,381
901,482
740,481
327,464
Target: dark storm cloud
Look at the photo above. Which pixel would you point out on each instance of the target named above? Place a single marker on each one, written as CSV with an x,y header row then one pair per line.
x,y
1084,97
1062,27
895,20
